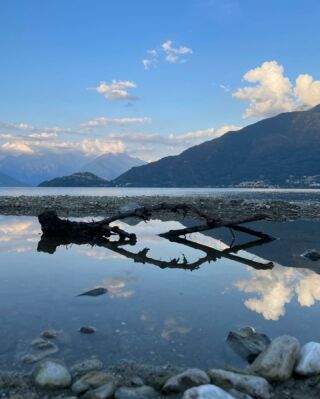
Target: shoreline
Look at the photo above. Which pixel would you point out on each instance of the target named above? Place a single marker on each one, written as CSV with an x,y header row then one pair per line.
x,y
83,206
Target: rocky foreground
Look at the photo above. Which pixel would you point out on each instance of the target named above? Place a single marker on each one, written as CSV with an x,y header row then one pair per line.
x,y
81,206
278,369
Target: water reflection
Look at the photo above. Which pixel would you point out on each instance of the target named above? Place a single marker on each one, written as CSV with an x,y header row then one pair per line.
x,y
276,288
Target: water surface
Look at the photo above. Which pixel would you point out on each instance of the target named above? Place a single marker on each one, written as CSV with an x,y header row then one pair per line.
x,y
150,314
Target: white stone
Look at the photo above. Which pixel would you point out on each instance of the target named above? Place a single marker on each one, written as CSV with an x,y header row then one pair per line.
x,y
51,374
188,379
277,362
206,392
250,384
309,359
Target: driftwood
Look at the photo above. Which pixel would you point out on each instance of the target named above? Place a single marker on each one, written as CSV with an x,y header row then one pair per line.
x,y
58,231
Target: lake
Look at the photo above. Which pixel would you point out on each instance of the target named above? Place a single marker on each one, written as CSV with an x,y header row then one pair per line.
x,y
152,313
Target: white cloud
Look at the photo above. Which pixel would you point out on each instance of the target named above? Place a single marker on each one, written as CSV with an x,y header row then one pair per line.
x,y
271,95
16,147
173,54
307,90
103,121
116,90
274,93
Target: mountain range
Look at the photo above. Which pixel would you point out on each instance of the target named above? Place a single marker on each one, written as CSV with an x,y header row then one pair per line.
x,y
8,181
34,169
283,150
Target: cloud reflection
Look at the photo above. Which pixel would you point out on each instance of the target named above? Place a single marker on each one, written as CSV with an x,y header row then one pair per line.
x,y
276,288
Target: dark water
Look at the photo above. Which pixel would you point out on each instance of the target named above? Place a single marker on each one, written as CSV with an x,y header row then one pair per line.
x,y
149,314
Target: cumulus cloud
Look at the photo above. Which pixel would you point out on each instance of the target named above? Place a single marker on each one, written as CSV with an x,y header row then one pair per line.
x,y
272,92
103,121
307,90
16,147
116,90
171,54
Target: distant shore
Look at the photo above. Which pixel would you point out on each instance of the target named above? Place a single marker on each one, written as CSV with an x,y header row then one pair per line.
x,y
82,206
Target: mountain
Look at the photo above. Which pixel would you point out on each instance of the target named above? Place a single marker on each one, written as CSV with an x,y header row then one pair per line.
x,y
282,150
8,181
109,166
34,169
84,179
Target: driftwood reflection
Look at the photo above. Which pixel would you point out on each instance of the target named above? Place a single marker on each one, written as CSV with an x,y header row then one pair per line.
x,y
50,242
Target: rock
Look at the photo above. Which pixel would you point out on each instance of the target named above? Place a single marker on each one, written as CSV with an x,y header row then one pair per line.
x,y
277,362
91,380
206,392
49,334
87,330
95,292
34,358
309,359
239,395
188,379
252,385
247,343
86,366
106,391
41,343
311,254
144,392
137,382
51,374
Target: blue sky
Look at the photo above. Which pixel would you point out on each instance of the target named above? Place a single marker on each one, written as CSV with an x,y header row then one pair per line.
x,y
55,54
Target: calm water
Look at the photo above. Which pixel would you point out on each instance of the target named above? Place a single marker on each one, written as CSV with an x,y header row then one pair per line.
x,y
284,194
150,314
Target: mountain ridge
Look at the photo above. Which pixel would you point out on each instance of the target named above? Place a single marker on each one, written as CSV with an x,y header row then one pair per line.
x,y
273,151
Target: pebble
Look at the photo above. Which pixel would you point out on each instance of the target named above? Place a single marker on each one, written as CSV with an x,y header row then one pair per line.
x,y
94,379
309,359
86,366
51,374
106,391
207,391
87,330
189,378
144,392
49,334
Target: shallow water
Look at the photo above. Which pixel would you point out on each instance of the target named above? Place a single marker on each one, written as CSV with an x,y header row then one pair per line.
x,y
243,193
153,315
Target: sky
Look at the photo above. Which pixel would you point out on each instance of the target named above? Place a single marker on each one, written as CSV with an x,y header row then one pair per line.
x,y
150,78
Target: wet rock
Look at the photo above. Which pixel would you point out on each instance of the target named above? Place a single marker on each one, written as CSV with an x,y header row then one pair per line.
x,y
51,374
87,330
206,392
34,358
247,343
95,292
91,380
311,254
85,367
188,379
277,362
41,343
255,386
144,392
309,359
49,334
106,391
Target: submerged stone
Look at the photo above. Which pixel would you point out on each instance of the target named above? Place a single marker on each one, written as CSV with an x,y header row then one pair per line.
x,y
95,292
247,343
277,362
255,386
188,379
51,374
207,391
49,334
311,254
309,359
87,330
